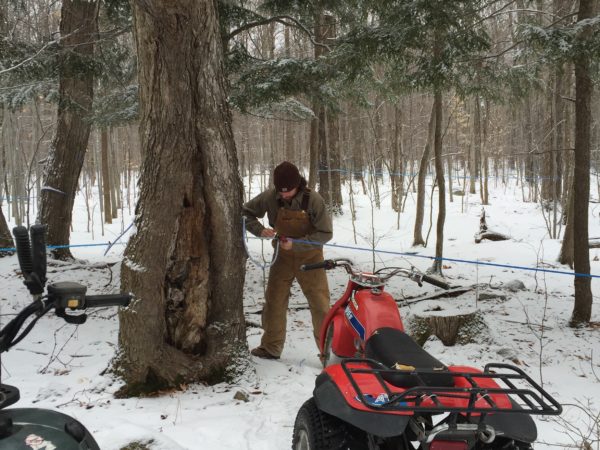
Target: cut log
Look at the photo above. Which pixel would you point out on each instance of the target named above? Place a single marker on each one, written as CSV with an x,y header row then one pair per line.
x,y
450,329
490,235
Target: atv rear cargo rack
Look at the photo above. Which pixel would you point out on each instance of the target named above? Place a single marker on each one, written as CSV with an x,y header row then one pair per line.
x,y
533,398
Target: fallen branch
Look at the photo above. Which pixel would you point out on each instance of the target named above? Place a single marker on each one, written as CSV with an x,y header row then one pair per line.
x,y
485,233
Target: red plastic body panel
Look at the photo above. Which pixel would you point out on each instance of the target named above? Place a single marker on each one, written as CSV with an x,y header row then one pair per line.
x,y
449,445
375,311
334,311
356,315
342,343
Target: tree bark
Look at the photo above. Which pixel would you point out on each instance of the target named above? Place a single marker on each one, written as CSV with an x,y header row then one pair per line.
x,y
328,128
439,172
5,236
105,176
418,231
185,263
582,309
566,249
78,27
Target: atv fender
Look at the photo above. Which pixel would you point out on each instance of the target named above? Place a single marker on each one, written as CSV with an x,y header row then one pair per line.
x,y
342,340
50,429
331,401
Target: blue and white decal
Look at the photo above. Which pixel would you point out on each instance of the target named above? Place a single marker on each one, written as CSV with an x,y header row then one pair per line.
x,y
358,327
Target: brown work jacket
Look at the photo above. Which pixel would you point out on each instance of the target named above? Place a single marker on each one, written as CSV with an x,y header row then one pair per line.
x,y
270,202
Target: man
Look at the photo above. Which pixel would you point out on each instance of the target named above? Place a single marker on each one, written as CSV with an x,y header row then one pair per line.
x,y
295,212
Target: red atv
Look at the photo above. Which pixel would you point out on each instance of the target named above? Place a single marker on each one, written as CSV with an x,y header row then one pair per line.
x,y
380,390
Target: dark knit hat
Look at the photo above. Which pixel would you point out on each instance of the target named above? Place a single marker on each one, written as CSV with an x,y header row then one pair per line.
x,y
286,177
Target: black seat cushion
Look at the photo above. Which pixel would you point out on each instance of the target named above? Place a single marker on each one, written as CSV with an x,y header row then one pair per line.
x,y
395,349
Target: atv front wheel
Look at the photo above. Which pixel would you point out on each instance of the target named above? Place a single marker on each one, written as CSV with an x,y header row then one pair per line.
x,y
316,430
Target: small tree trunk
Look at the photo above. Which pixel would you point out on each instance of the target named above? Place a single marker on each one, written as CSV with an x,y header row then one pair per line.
x,y
439,172
313,173
106,198
418,231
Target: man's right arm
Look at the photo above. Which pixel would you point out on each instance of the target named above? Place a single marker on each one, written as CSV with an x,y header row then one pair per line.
x,y
254,210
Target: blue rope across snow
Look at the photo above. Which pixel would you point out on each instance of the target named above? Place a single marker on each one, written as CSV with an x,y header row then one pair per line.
x,y
13,249
456,260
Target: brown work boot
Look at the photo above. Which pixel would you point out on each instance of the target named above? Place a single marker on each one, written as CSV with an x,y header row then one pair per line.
x,y
262,353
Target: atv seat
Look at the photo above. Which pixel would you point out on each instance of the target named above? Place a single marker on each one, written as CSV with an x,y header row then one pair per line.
x,y
397,350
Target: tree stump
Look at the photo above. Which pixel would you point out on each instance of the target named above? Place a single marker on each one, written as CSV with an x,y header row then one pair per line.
x,y
450,329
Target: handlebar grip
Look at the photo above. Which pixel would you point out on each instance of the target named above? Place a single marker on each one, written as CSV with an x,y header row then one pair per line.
x,y
23,249
326,264
99,301
38,250
435,281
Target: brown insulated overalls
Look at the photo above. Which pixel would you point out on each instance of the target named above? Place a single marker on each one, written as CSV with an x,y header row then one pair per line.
x,y
293,223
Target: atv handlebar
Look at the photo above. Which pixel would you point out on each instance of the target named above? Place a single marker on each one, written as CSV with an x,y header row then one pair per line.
x,y
377,278
99,301
327,264
64,297
23,250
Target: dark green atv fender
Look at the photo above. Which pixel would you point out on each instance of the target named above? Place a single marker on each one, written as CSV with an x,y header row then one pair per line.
x,y
43,429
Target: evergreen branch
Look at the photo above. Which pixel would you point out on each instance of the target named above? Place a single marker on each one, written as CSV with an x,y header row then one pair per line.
x,y
279,19
31,58
106,36
521,41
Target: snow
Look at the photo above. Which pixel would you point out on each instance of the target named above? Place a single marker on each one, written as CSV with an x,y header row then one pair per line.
x,y
60,366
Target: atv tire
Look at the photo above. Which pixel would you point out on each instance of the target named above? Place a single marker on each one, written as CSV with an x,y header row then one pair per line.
x,y
316,430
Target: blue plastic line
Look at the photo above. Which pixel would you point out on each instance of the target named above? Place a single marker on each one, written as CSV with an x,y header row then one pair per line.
x,y
454,177
52,247
465,261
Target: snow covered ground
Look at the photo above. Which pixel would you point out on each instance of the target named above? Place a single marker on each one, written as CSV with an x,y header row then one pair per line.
x,y
60,366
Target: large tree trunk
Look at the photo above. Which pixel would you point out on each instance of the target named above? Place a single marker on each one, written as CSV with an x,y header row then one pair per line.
x,y
78,27
185,263
582,309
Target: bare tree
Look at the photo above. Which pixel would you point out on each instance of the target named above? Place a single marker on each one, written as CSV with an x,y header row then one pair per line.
x,y
418,233
439,175
582,309
78,27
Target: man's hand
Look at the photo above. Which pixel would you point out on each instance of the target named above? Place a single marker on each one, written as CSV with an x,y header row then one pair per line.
x,y
285,243
268,233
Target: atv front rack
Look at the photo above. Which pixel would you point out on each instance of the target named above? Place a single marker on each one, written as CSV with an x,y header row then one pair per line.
x,y
475,398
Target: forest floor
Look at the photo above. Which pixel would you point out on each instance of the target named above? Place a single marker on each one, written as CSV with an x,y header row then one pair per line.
x,y
61,366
